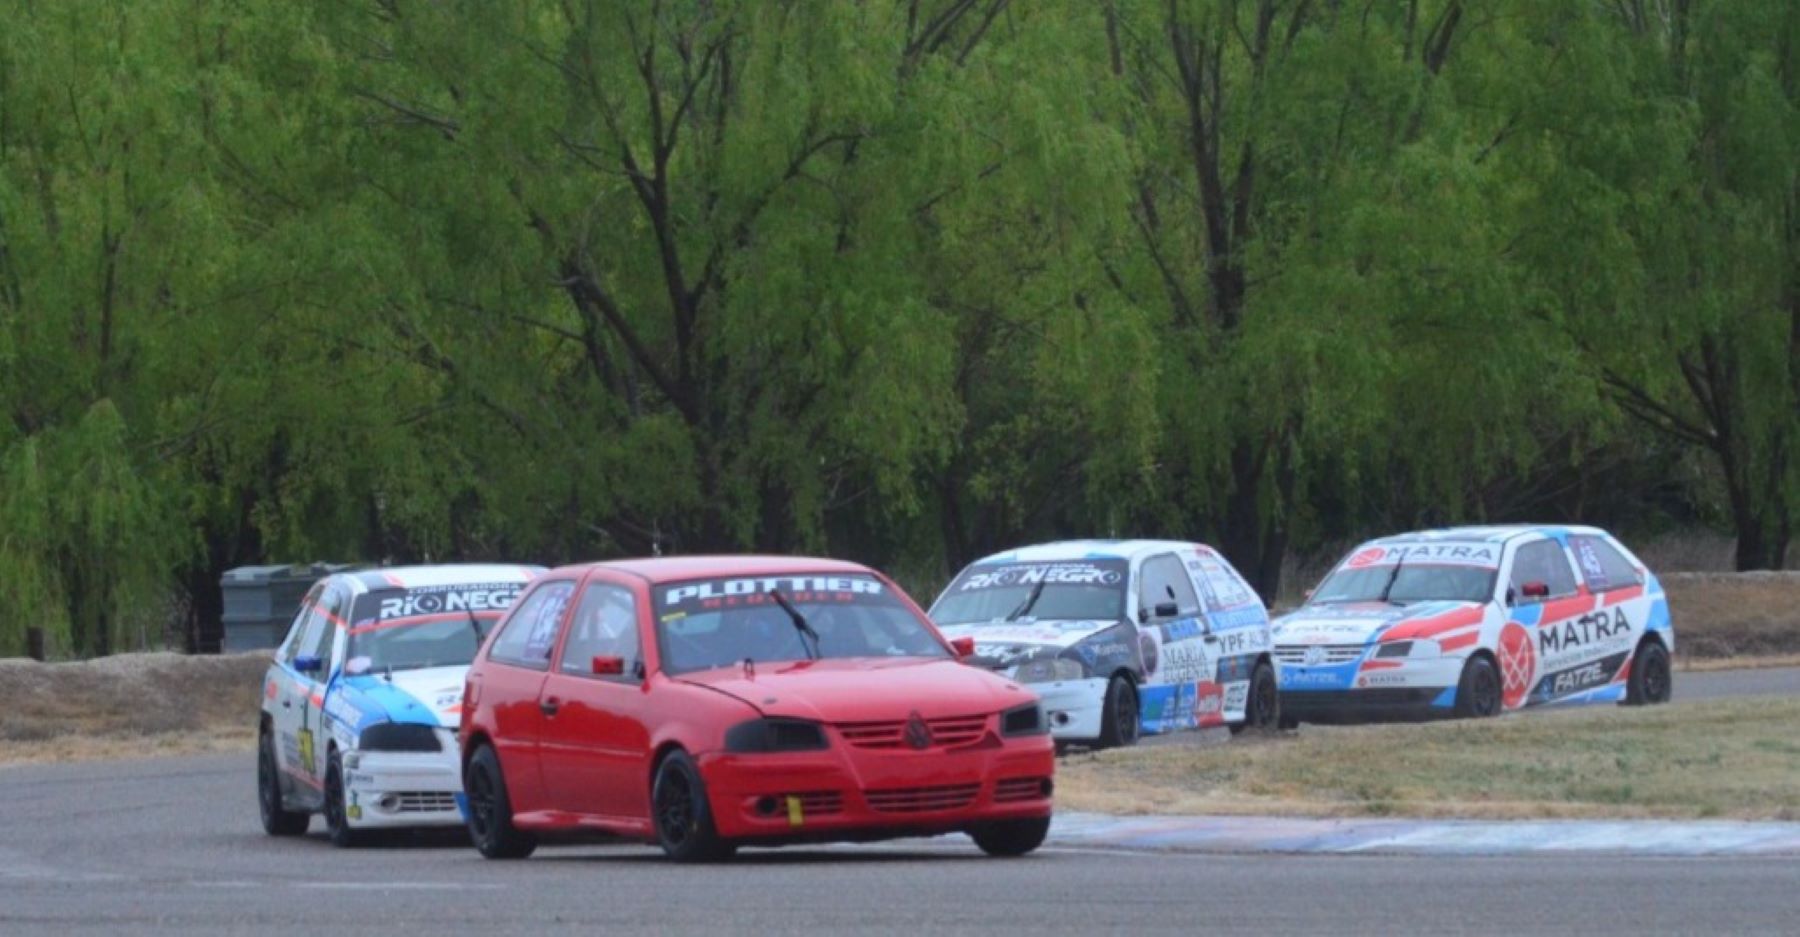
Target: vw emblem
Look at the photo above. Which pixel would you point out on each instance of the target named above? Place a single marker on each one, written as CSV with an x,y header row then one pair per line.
x,y
918,734
1315,655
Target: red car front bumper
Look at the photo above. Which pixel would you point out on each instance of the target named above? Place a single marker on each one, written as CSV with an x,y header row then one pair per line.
x,y
847,793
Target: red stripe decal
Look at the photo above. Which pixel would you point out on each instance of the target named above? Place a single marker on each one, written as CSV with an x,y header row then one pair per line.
x,y
1623,595
1460,641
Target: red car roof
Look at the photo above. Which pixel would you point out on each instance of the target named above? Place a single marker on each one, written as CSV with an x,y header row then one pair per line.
x,y
675,568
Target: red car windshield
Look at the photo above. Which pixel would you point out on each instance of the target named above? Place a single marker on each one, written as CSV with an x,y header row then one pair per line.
x,y
707,623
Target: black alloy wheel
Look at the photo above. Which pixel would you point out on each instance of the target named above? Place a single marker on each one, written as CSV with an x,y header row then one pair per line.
x,y
1652,680
490,811
682,815
1262,708
1478,692
277,820
1119,715
337,822
1008,838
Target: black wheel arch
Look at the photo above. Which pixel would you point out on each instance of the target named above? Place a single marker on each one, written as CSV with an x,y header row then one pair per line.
x,y
660,755
477,741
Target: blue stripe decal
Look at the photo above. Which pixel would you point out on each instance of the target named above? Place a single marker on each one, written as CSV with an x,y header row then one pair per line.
x,y
1301,678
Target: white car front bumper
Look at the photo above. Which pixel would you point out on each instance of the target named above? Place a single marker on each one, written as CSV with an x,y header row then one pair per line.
x,y
384,790
1072,707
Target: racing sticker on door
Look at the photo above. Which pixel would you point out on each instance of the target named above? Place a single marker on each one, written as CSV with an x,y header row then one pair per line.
x,y
1186,706
1574,649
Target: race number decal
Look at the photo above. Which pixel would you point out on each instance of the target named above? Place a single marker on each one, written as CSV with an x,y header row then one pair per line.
x,y
306,751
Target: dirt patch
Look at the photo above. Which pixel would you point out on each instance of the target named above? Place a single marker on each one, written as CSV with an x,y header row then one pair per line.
x,y
1725,758
1726,615
129,704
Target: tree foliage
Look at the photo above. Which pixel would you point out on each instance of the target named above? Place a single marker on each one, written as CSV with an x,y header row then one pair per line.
x,y
901,280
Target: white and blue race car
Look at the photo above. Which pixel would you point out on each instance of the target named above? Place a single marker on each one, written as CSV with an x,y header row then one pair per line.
x,y
1475,621
361,707
1120,638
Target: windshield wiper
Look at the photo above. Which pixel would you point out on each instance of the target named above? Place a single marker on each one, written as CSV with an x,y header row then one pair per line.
x,y
806,630
1399,562
1030,600
475,626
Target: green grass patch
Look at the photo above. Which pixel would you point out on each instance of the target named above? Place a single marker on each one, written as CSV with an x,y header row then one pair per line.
x,y
1726,758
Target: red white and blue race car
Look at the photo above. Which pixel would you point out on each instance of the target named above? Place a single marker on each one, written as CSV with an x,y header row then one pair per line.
x,y
704,703
1474,621
361,705
1120,638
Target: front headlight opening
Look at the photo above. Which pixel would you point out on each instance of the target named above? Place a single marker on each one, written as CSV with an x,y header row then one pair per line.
x,y
775,735
1395,649
1023,720
1047,670
399,737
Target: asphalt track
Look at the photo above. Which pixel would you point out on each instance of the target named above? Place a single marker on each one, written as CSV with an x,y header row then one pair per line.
x,y
172,845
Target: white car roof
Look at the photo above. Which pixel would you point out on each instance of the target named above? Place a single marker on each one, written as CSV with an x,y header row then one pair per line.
x,y
1491,533
449,574
1087,550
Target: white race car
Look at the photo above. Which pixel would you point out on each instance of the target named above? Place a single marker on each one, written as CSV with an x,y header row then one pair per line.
x,y
1119,638
1474,621
361,706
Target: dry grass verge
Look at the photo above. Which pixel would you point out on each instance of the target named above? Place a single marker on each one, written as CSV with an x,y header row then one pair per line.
x,y
128,705
1726,758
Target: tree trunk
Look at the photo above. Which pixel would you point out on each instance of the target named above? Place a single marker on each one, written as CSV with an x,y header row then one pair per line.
x,y
1760,518
1243,539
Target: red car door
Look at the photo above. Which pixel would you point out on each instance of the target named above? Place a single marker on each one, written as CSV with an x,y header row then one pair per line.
x,y
510,683
596,743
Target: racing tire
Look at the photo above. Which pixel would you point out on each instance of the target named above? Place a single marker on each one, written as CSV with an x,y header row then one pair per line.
x,y
1262,707
1478,692
490,810
277,820
1010,838
1651,680
1119,716
682,814
337,821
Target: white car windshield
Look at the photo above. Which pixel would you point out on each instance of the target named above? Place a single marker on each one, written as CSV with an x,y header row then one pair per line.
x,y
1071,590
1407,583
424,626
413,644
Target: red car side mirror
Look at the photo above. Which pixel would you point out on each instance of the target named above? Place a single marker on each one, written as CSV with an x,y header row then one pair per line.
x,y
964,647
608,666
1535,590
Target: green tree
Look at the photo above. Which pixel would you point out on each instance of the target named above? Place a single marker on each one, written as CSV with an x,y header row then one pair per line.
x,y
1670,245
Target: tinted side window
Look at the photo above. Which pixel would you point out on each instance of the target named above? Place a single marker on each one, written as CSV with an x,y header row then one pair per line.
x,y
605,625
329,612
1543,561
530,631
1162,579
1603,567
303,620
1225,588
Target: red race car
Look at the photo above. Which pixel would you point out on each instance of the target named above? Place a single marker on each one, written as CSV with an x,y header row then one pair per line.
x,y
705,703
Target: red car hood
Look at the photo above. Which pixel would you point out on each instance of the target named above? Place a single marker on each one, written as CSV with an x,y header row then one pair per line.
x,y
865,689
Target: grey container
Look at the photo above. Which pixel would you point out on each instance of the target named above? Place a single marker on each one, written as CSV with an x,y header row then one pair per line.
x,y
261,601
